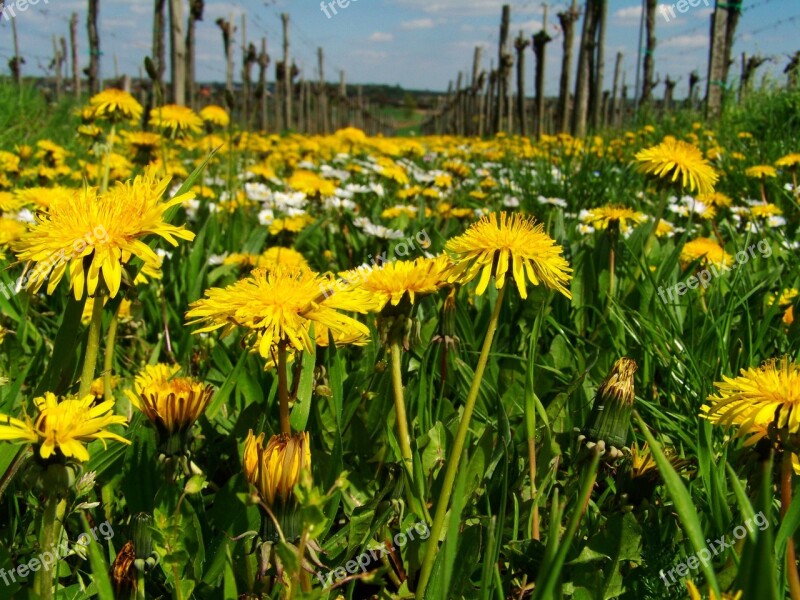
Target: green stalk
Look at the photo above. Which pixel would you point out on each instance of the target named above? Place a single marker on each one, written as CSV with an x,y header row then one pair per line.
x,y
107,162
458,447
400,408
92,347
48,535
283,390
108,359
402,428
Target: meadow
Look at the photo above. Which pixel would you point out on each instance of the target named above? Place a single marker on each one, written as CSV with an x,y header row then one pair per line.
x,y
247,365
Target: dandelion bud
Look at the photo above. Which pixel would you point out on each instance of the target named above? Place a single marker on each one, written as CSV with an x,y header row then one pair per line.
x,y
613,405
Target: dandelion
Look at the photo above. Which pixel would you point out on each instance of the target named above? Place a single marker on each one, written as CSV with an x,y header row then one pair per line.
x,y
515,244
707,251
175,120
614,217
613,405
674,159
215,115
115,105
94,236
62,427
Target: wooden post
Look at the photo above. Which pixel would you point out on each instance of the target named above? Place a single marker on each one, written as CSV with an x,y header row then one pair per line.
x,y
16,63
177,52
342,101
504,66
322,108
716,60
519,45
159,46
648,83
62,71
669,88
567,20
195,14
474,106
540,41
694,79
263,64
602,17
73,42
287,72
749,66
94,47
614,91
228,29
583,76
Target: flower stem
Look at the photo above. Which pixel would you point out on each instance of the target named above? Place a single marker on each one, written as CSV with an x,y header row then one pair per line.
x,y
92,347
400,407
786,500
48,535
402,428
458,447
107,162
283,390
108,359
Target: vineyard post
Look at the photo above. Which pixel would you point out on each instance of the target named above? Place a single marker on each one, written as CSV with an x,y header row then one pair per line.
x,y
649,53
602,18
322,105
287,74
73,42
583,76
476,96
503,68
519,45
540,41
159,46
615,91
263,64
94,48
195,14
567,20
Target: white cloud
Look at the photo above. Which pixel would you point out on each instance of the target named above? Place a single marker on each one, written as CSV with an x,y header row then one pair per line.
x,y
631,15
381,36
372,55
465,7
699,40
426,23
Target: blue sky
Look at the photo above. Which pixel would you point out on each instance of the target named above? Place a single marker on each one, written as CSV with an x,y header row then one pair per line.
x,y
419,44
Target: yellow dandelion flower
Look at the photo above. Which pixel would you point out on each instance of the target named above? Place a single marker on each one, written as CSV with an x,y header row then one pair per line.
x,y
757,398
216,115
673,159
706,250
765,211
761,172
716,199
291,224
274,469
95,236
175,120
115,105
514,244
311,184
393,281
279,306
610,216
790,160
63,427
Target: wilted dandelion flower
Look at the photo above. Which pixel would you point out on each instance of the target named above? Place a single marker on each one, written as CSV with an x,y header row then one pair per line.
x,y
63,427
274,469
758,398
673,159
172,404
514,244
115,105
175,119
707,251
95,236
279,306
613,404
